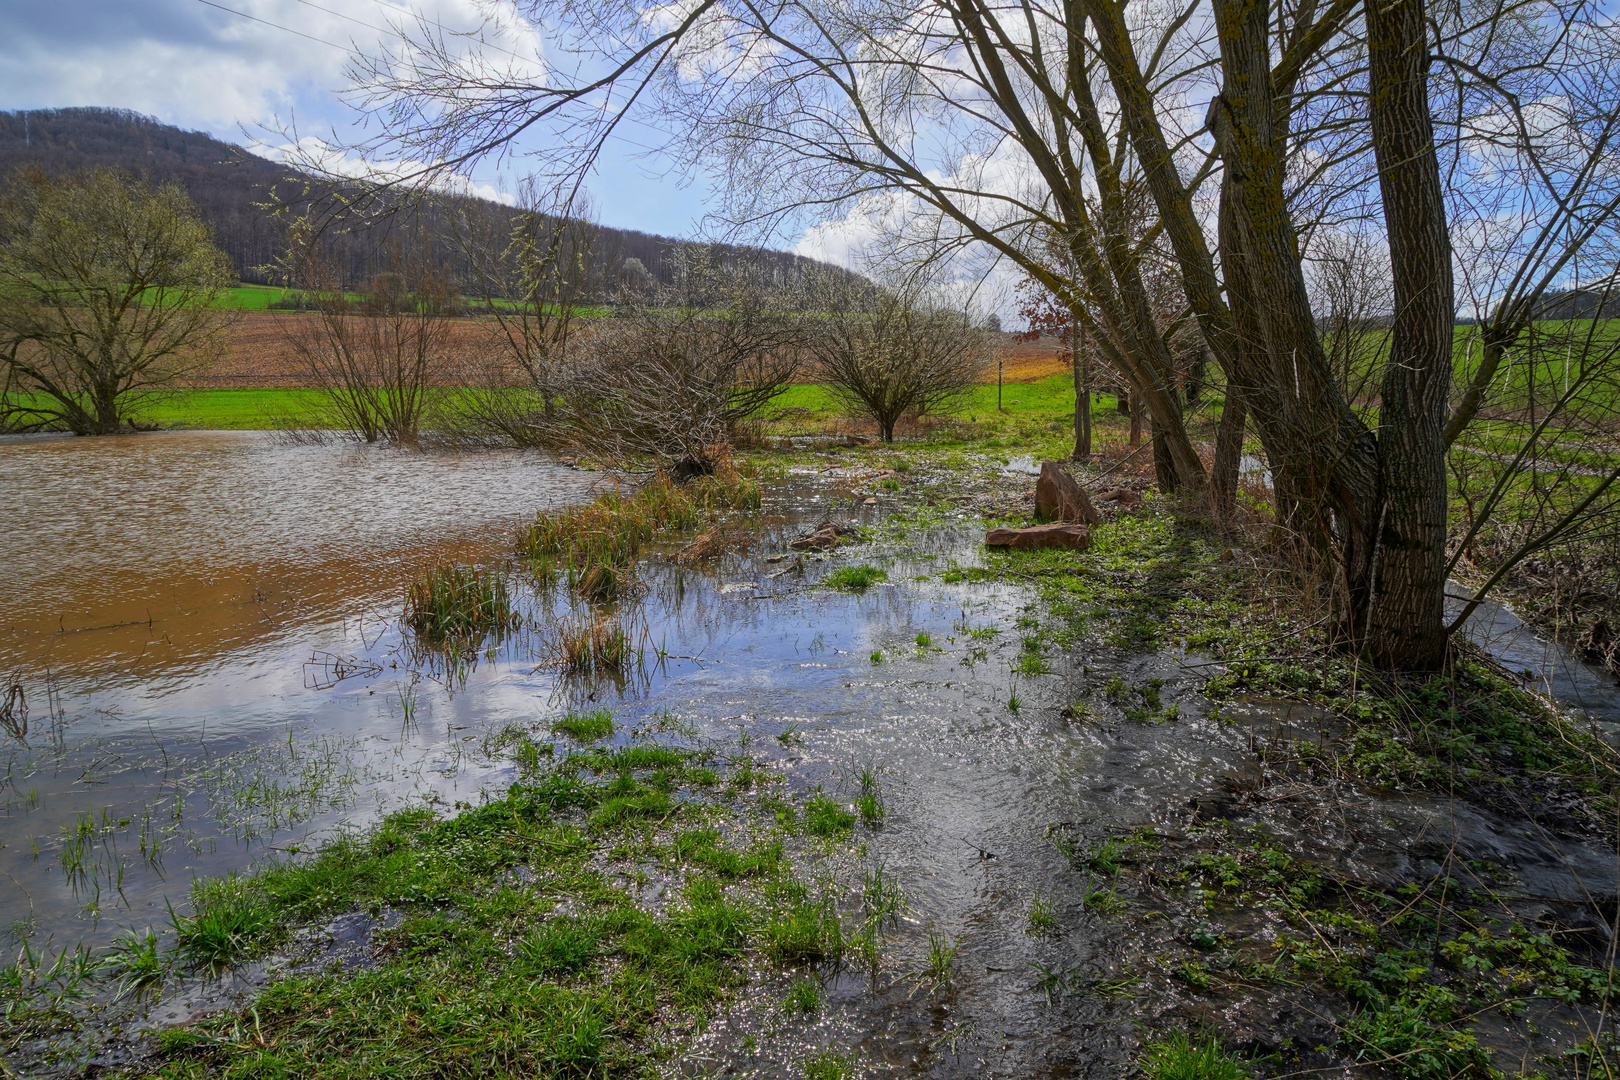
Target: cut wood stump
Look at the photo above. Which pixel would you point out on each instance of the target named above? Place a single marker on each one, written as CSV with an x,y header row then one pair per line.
x,y
1058,535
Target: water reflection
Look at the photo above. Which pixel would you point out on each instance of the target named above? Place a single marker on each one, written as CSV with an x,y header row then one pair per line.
x,y
203,627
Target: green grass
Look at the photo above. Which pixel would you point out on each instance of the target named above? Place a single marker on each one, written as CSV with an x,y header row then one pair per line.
x,y
586,727
234,410
803,998
1180,1057
556,972
250,298
250,409
856,578
823,817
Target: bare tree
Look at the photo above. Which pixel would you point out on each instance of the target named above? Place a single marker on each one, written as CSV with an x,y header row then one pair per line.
x,y
533,270
888,355
377,357
107,291
990,122
665,385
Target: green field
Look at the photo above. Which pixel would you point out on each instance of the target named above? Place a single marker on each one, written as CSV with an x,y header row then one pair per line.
x,y
250,298
243,410
233,410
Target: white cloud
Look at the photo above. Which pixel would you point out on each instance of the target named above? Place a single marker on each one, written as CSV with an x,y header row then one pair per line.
x,y
199,66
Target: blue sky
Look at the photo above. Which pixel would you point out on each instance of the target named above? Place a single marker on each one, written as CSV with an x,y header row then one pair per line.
x,y
199,66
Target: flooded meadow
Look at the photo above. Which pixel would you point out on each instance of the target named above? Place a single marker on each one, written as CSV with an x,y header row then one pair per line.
x,y
1006,784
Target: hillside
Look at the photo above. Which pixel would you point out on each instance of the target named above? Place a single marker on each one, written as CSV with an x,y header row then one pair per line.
x,y
230,186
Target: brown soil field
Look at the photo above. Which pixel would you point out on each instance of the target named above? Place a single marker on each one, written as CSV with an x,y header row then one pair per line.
x,y
260,352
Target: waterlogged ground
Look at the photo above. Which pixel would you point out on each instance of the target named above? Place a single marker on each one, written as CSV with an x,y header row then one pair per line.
x,y
982,817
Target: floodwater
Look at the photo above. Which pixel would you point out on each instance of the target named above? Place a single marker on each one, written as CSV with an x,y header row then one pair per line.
x,y
188,616
205,626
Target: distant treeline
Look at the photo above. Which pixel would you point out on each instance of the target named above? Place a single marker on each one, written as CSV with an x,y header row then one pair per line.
x,y
234,189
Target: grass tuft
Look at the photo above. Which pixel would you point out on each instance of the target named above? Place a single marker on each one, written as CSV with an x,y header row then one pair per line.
x,y
856,578
587,727
803,998
600,647
823,817
597,544
453,601
1180,1058
229,922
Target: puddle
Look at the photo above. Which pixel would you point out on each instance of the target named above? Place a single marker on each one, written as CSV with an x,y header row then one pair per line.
x,y
1022,465
203,626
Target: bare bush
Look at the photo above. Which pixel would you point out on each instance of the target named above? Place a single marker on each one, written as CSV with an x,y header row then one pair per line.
x,y
886,356
667,386
376,357
532,270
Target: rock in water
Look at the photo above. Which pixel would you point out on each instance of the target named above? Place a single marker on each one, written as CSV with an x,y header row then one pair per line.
x,y
829,534
1059,498
1058,534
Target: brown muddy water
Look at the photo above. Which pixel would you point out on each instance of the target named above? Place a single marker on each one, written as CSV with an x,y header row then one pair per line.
x,y
190,616
206,629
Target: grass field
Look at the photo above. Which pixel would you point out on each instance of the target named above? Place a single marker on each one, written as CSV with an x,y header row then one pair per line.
x,y
250,298
234,410
259,298
245,410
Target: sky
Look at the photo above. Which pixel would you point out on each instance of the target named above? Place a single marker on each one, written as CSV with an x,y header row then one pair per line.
x,y
250,71
220,66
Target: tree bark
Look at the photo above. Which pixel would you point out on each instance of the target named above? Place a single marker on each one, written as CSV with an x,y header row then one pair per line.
x,y
1082,392
1223,478
1406,627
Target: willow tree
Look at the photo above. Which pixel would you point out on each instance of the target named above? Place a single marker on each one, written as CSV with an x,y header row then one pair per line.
x,y
107,293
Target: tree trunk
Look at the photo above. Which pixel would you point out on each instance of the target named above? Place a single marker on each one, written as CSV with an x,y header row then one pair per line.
x,y
1082,394
1406,626
1164,467
1223,479
1135,406
106,411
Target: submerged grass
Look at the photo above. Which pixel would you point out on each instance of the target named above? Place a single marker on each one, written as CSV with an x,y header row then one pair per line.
x,y
596,545
479,973
598,647
455,601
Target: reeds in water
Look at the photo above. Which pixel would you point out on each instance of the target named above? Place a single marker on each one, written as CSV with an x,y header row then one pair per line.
x,y
596,648
598,543
453,601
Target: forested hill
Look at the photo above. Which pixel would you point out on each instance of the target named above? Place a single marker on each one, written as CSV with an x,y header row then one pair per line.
x,y
230,185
